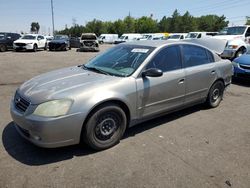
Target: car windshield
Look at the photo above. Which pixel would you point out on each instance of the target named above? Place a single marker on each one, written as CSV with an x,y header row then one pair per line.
x,y
233,31
192,35
60,37
174,36
30,37
121,60
88,37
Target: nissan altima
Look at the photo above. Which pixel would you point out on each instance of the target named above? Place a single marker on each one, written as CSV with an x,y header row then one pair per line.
x,y
132,82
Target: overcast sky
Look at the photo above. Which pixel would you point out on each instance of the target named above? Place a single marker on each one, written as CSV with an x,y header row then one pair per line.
x,y
17,15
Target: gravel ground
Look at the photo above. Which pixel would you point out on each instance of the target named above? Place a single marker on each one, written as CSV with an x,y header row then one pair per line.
x,y
193,148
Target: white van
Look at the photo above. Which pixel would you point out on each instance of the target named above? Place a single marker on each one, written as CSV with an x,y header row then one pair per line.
x,y
108,38
198,35
127,37
152,36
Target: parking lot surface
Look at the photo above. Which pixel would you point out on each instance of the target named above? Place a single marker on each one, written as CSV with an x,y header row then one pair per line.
x,y
193,148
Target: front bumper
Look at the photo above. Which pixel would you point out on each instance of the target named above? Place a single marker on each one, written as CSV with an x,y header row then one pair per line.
x,y
57,46
23,47
48,132
241,73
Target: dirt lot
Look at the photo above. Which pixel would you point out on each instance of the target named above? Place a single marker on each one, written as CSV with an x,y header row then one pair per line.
x,y
194,148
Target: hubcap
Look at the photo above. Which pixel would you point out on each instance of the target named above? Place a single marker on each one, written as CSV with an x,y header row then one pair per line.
x,y
216,94
106,127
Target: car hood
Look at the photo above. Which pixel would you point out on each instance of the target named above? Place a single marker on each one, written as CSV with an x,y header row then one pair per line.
x,y
243,59
24,41
61,83
58,41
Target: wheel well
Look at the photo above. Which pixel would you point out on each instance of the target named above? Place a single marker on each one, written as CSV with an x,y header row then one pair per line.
x,y
220,79
121,104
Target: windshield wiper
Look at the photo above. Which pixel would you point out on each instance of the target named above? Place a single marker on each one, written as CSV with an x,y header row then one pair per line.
x,y
95,69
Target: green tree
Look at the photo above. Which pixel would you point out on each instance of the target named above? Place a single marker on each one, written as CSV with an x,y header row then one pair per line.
x,y
164,24
35,27
175,22
146,25
129,23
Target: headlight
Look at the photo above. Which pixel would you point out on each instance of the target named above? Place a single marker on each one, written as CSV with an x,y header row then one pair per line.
x,y
232,46
53,108
235,64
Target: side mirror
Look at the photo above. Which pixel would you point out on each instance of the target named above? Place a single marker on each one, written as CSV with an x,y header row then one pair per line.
x,y
152,72
8,37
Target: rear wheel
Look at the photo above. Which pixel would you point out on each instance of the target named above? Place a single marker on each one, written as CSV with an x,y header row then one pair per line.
x,y
105,127
215,94
3,48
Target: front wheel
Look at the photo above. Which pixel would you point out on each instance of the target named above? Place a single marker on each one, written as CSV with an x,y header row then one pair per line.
x,y
215,94
34,48
105,127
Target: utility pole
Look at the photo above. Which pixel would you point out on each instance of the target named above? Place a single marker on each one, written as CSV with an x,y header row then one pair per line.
x,y
53,25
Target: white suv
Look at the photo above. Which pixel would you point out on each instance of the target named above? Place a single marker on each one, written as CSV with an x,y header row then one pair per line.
x,y
238,40
30,42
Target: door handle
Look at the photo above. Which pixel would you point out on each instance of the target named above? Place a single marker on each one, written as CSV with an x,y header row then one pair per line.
x,y
181,81
213,72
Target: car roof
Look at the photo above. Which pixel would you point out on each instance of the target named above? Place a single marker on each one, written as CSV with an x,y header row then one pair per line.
x,y
151,43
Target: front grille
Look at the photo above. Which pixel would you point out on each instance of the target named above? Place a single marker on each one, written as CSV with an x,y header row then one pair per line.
x,y
89,43
20,44
20,103
245,66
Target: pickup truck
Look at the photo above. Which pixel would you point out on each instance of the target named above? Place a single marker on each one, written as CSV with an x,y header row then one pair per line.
x,y
238,40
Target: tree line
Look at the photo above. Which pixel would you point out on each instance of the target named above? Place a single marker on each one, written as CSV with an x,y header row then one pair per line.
x,y
177,23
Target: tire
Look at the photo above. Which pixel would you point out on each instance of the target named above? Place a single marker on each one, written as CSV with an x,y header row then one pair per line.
x,y
35,48
45,47
3,48
105,127
215,94
240,52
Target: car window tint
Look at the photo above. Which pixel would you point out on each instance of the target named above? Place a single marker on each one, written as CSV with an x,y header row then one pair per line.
x,y
195,55
167,59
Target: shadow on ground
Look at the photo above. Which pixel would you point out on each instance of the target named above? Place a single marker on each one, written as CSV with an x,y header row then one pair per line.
x,y
29,154
241,82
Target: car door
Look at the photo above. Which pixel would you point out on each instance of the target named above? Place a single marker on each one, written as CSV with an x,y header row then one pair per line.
x,y
200,72
41,41
158,94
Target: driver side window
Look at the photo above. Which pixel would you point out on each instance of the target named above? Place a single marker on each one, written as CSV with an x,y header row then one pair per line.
x,y
167,59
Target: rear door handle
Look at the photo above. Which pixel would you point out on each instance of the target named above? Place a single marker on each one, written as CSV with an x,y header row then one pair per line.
x,y
213,72
181,81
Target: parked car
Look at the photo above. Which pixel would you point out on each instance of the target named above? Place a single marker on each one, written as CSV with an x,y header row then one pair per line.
x,y
74,42
59,42
89,42
152,36
48,39
128,37
177,36
7,39
126,85
242,66
108,38
30,42
238,40
198,35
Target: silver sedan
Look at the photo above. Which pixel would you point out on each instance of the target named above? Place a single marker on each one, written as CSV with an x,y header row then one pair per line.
x,y
128,84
